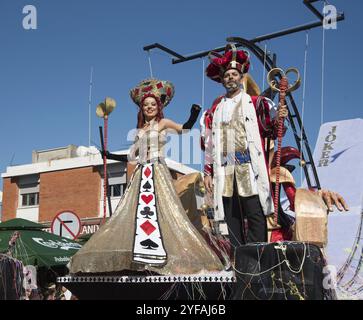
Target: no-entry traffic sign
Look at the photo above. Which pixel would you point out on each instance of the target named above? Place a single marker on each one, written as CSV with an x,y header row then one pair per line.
x,y
66,224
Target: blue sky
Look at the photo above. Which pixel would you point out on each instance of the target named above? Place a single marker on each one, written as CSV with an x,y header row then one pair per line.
x,y
44,73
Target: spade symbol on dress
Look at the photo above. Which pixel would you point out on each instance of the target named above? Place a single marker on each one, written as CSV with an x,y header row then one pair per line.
x,y
147,185
147,213
149,244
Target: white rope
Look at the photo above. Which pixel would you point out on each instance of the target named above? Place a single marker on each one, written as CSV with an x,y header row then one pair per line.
x,y
303,104
151,69
203,83
322,74
264,69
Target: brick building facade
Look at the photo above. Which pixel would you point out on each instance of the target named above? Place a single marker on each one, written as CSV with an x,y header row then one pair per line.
x,y
63,179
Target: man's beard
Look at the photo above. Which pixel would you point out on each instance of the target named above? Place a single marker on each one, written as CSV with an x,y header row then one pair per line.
x,y
232,86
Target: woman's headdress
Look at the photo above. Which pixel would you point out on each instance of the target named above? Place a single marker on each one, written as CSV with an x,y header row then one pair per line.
x,y
162,91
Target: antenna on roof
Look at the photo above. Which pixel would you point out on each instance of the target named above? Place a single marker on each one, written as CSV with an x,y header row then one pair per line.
x,y
89,107
12,159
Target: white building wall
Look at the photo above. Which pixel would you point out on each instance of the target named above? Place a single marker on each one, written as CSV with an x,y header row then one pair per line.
x,y
28,213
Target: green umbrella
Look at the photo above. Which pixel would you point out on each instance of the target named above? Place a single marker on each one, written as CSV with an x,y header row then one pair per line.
x,y
34,246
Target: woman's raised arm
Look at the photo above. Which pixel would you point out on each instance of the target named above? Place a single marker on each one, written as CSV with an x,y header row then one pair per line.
x,y
171,125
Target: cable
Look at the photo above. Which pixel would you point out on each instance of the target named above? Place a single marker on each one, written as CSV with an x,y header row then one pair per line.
x,y
264,68
277,265
203,96
303,104
150,66
322,74
203,83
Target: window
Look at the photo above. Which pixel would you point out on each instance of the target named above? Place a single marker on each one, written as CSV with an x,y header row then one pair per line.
x,y
30,199
116,181
116,190
29,194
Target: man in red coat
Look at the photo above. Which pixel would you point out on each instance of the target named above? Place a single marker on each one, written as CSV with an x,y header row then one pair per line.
x,y
233,134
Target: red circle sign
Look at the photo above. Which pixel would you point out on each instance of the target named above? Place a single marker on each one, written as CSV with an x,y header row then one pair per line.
x,y
66,224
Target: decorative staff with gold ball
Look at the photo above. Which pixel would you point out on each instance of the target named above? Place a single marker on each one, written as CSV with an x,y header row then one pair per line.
x,y
103,110
283,88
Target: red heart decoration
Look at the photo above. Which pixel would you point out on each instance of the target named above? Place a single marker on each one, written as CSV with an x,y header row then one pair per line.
x,y
147,199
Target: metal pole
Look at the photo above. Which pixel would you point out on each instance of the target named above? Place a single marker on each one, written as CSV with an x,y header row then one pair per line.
x,y
158,45
308,4
278,34
89,108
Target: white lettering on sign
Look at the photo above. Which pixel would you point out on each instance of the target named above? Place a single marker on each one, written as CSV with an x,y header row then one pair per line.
x,y
57,244
328,147
62,259
89,229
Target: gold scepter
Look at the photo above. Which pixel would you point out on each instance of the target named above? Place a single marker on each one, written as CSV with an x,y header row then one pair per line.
x,y
283,88
103,110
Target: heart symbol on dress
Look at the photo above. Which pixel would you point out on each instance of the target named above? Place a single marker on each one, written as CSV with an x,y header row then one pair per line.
x,y
147,199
